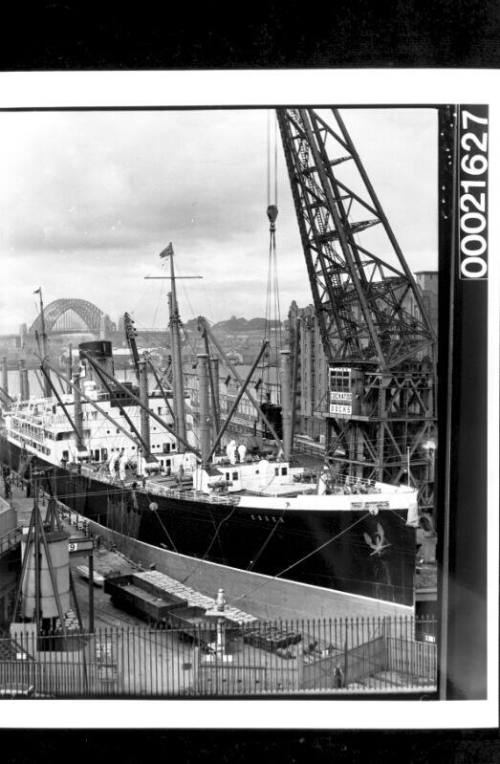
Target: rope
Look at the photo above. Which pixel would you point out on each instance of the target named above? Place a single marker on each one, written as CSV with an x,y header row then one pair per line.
x,y
188,335
275,159
155,314
167,534
221,523
268,147
277,310
310,554
251,564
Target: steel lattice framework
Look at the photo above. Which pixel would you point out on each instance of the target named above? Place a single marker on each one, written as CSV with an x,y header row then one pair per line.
x,y
362,289
90,314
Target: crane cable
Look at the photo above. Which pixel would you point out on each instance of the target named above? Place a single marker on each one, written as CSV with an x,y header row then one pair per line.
x,y
272,313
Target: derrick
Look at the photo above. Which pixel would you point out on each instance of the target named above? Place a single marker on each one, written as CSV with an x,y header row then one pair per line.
x,y
130,336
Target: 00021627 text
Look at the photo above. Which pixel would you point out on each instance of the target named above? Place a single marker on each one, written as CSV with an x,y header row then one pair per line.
x,y
473,193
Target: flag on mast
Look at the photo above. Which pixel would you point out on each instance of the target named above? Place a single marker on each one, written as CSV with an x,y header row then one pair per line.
x,y
37,291
168,251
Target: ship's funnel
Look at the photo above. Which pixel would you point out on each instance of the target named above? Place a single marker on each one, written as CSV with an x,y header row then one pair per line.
x,y
101,353
5,375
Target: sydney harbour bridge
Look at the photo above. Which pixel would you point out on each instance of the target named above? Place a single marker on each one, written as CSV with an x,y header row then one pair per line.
x,y
72,320
69,321
73,316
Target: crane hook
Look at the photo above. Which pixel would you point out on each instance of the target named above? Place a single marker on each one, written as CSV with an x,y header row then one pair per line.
x,y
272,214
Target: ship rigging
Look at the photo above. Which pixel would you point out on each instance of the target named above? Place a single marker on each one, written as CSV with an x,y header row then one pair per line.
x,y
246,511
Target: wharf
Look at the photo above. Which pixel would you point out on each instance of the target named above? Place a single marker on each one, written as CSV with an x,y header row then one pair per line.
x,y
261,596
109,562
194,598
127,657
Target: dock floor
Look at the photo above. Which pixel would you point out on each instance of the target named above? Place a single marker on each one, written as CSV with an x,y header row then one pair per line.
x,y
111,562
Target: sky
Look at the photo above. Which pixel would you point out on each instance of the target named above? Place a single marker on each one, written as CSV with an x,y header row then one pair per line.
x,y
89,199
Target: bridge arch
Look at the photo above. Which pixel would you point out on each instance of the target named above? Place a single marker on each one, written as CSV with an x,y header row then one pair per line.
x,y
70,310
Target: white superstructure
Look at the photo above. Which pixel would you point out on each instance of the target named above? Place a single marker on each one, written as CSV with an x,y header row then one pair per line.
x,y
41,427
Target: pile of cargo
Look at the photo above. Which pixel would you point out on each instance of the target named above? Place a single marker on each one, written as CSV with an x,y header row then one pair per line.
x,y
133,594
71,621
192,597
271,638
166,603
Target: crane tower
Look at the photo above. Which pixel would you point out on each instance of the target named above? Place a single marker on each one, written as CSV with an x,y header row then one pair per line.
x,y
379,343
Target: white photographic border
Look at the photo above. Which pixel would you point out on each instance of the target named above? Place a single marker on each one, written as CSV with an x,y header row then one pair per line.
x,y
274,88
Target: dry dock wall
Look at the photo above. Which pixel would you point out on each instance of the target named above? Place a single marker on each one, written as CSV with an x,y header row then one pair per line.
x,y
8,517
265,597
9,561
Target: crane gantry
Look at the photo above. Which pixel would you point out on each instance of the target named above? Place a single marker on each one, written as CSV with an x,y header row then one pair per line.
x,y
378,340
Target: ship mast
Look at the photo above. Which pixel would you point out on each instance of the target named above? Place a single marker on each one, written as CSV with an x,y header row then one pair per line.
x,y
175,341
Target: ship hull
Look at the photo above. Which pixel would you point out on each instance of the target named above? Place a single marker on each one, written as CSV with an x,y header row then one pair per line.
x,y
323,548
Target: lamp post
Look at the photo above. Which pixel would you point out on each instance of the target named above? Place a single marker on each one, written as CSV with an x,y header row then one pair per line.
x,y
217,614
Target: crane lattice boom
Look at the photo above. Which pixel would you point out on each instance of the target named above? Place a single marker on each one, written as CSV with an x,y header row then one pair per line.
x,y
378,340
359,277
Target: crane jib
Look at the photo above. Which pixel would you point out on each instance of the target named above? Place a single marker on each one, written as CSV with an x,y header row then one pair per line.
x,y
378,340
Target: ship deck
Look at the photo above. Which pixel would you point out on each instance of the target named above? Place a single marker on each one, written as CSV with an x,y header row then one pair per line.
x,y
163,485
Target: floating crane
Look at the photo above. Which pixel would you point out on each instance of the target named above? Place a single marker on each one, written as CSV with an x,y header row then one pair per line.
x,y
378,340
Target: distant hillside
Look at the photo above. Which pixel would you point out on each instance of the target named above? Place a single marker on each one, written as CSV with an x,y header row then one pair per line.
x,y
190,325
242,325
233,325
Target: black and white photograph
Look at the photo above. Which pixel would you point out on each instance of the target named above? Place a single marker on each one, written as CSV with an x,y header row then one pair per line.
x,y
248,366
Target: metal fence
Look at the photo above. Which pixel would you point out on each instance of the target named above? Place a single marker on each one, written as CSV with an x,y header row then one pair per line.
x,y
361,655
10,540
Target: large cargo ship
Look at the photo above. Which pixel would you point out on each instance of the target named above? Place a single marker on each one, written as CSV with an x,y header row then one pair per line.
x,y
244,509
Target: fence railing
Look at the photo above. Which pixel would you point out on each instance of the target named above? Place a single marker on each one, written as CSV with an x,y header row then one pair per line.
x,y
368,655
10,540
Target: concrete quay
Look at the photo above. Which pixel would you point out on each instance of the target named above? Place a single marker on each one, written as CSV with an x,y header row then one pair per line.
x,y
262,596
126,658
111,562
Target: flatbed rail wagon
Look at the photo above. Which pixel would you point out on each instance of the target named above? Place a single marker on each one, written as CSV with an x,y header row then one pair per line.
x,y
133,594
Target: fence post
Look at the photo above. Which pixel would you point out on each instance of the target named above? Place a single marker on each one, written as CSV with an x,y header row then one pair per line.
x,y
346,657
300,665
387,639
196,669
